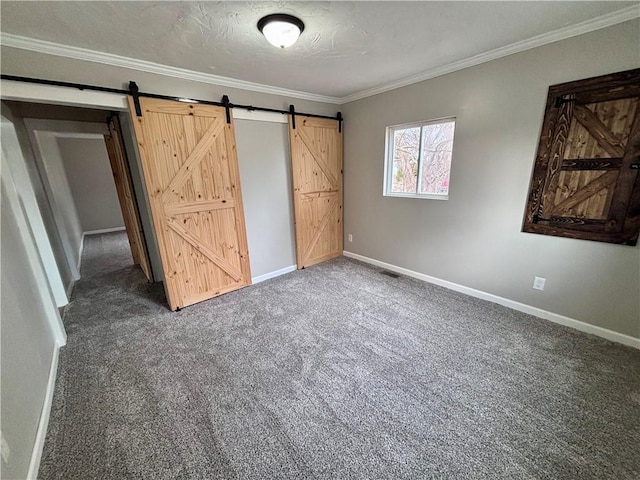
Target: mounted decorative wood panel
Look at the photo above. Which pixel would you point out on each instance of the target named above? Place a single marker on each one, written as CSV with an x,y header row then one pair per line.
x,y
124,188
190,167
316,159
585,181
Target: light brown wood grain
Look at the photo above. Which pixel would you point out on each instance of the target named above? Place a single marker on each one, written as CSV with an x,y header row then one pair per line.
x,y
190,168
126,197
316,159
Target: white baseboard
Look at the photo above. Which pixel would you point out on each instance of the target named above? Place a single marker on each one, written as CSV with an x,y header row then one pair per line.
x,y
277,273
70,289
521,307
76,274
104,230
36,453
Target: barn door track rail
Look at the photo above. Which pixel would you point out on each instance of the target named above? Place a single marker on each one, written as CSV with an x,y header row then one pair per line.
x,y
135,92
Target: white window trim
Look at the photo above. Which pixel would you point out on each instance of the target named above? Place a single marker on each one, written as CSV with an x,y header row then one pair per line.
x,y
388,161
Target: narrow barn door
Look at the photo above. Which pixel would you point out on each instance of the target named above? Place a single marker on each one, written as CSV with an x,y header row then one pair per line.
x,y
188,154
316,158
124,187
585,183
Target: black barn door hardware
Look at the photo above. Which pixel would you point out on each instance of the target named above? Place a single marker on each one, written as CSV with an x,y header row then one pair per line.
x,y
135,92
225,102
292,112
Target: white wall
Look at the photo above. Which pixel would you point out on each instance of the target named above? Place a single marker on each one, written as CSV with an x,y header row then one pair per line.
x,y
44,141
31,334
27,196
54,178
90,177
265,176
474,239
42,200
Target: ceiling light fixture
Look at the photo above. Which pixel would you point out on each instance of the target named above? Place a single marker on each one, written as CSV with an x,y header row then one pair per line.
x,y
281,30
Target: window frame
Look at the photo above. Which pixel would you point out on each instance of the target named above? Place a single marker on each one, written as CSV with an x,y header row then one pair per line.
x,y
388,160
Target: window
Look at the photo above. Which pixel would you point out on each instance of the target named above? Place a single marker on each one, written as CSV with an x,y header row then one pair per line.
x,y
418,159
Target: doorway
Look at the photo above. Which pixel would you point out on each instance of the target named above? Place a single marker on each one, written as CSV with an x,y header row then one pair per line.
x,y
82,181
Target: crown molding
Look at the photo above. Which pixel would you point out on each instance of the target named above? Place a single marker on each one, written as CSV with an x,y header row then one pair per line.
x,y
619,16
77,53
42,46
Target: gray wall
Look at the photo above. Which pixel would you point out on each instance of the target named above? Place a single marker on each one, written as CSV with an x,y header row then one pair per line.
x,y
16,161
59,195
474,238
28,341
55,240
91,181
265,176
43,135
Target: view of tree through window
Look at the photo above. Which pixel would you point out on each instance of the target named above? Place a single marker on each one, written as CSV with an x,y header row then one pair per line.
x,y
421,160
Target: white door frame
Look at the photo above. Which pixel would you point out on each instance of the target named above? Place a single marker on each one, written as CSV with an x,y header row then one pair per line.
x,y
19,175
35,263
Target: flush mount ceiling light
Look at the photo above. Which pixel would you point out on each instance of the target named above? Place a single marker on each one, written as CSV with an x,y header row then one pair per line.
x,y
281,30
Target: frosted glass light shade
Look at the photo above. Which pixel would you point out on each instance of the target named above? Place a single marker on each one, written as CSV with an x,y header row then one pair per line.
x,y
281,30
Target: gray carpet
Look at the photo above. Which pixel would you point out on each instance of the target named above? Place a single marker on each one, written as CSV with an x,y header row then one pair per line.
x,y
333,372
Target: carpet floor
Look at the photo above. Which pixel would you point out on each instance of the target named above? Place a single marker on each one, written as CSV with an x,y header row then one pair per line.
x,y
332,372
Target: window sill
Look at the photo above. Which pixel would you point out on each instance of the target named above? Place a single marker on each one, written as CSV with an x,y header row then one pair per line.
x,y
414,195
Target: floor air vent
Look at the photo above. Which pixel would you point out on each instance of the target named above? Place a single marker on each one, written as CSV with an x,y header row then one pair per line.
x,y
390,274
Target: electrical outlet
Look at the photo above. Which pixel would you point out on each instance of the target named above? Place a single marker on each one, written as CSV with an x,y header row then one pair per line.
x,y
4,448
350,237
538,283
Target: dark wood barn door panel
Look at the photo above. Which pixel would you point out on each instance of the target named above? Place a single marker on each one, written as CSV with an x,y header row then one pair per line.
x,y
585,182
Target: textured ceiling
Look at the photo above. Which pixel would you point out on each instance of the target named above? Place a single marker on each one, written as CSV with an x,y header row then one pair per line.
x,y
346,46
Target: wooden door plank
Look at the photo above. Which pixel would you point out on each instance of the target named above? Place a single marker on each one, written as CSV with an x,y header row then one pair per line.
x,y
625,204
194,158
126,196
592,164
190,154
597,198
558,142
236,192
317,143
143,254
600,132
320,193
168,107
318,157
314,122
151,178
201,246
320,228
192,207
585,192
126,215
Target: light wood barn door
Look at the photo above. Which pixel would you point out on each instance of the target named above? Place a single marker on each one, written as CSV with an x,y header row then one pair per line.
x,y
124,188
316,159
188,154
